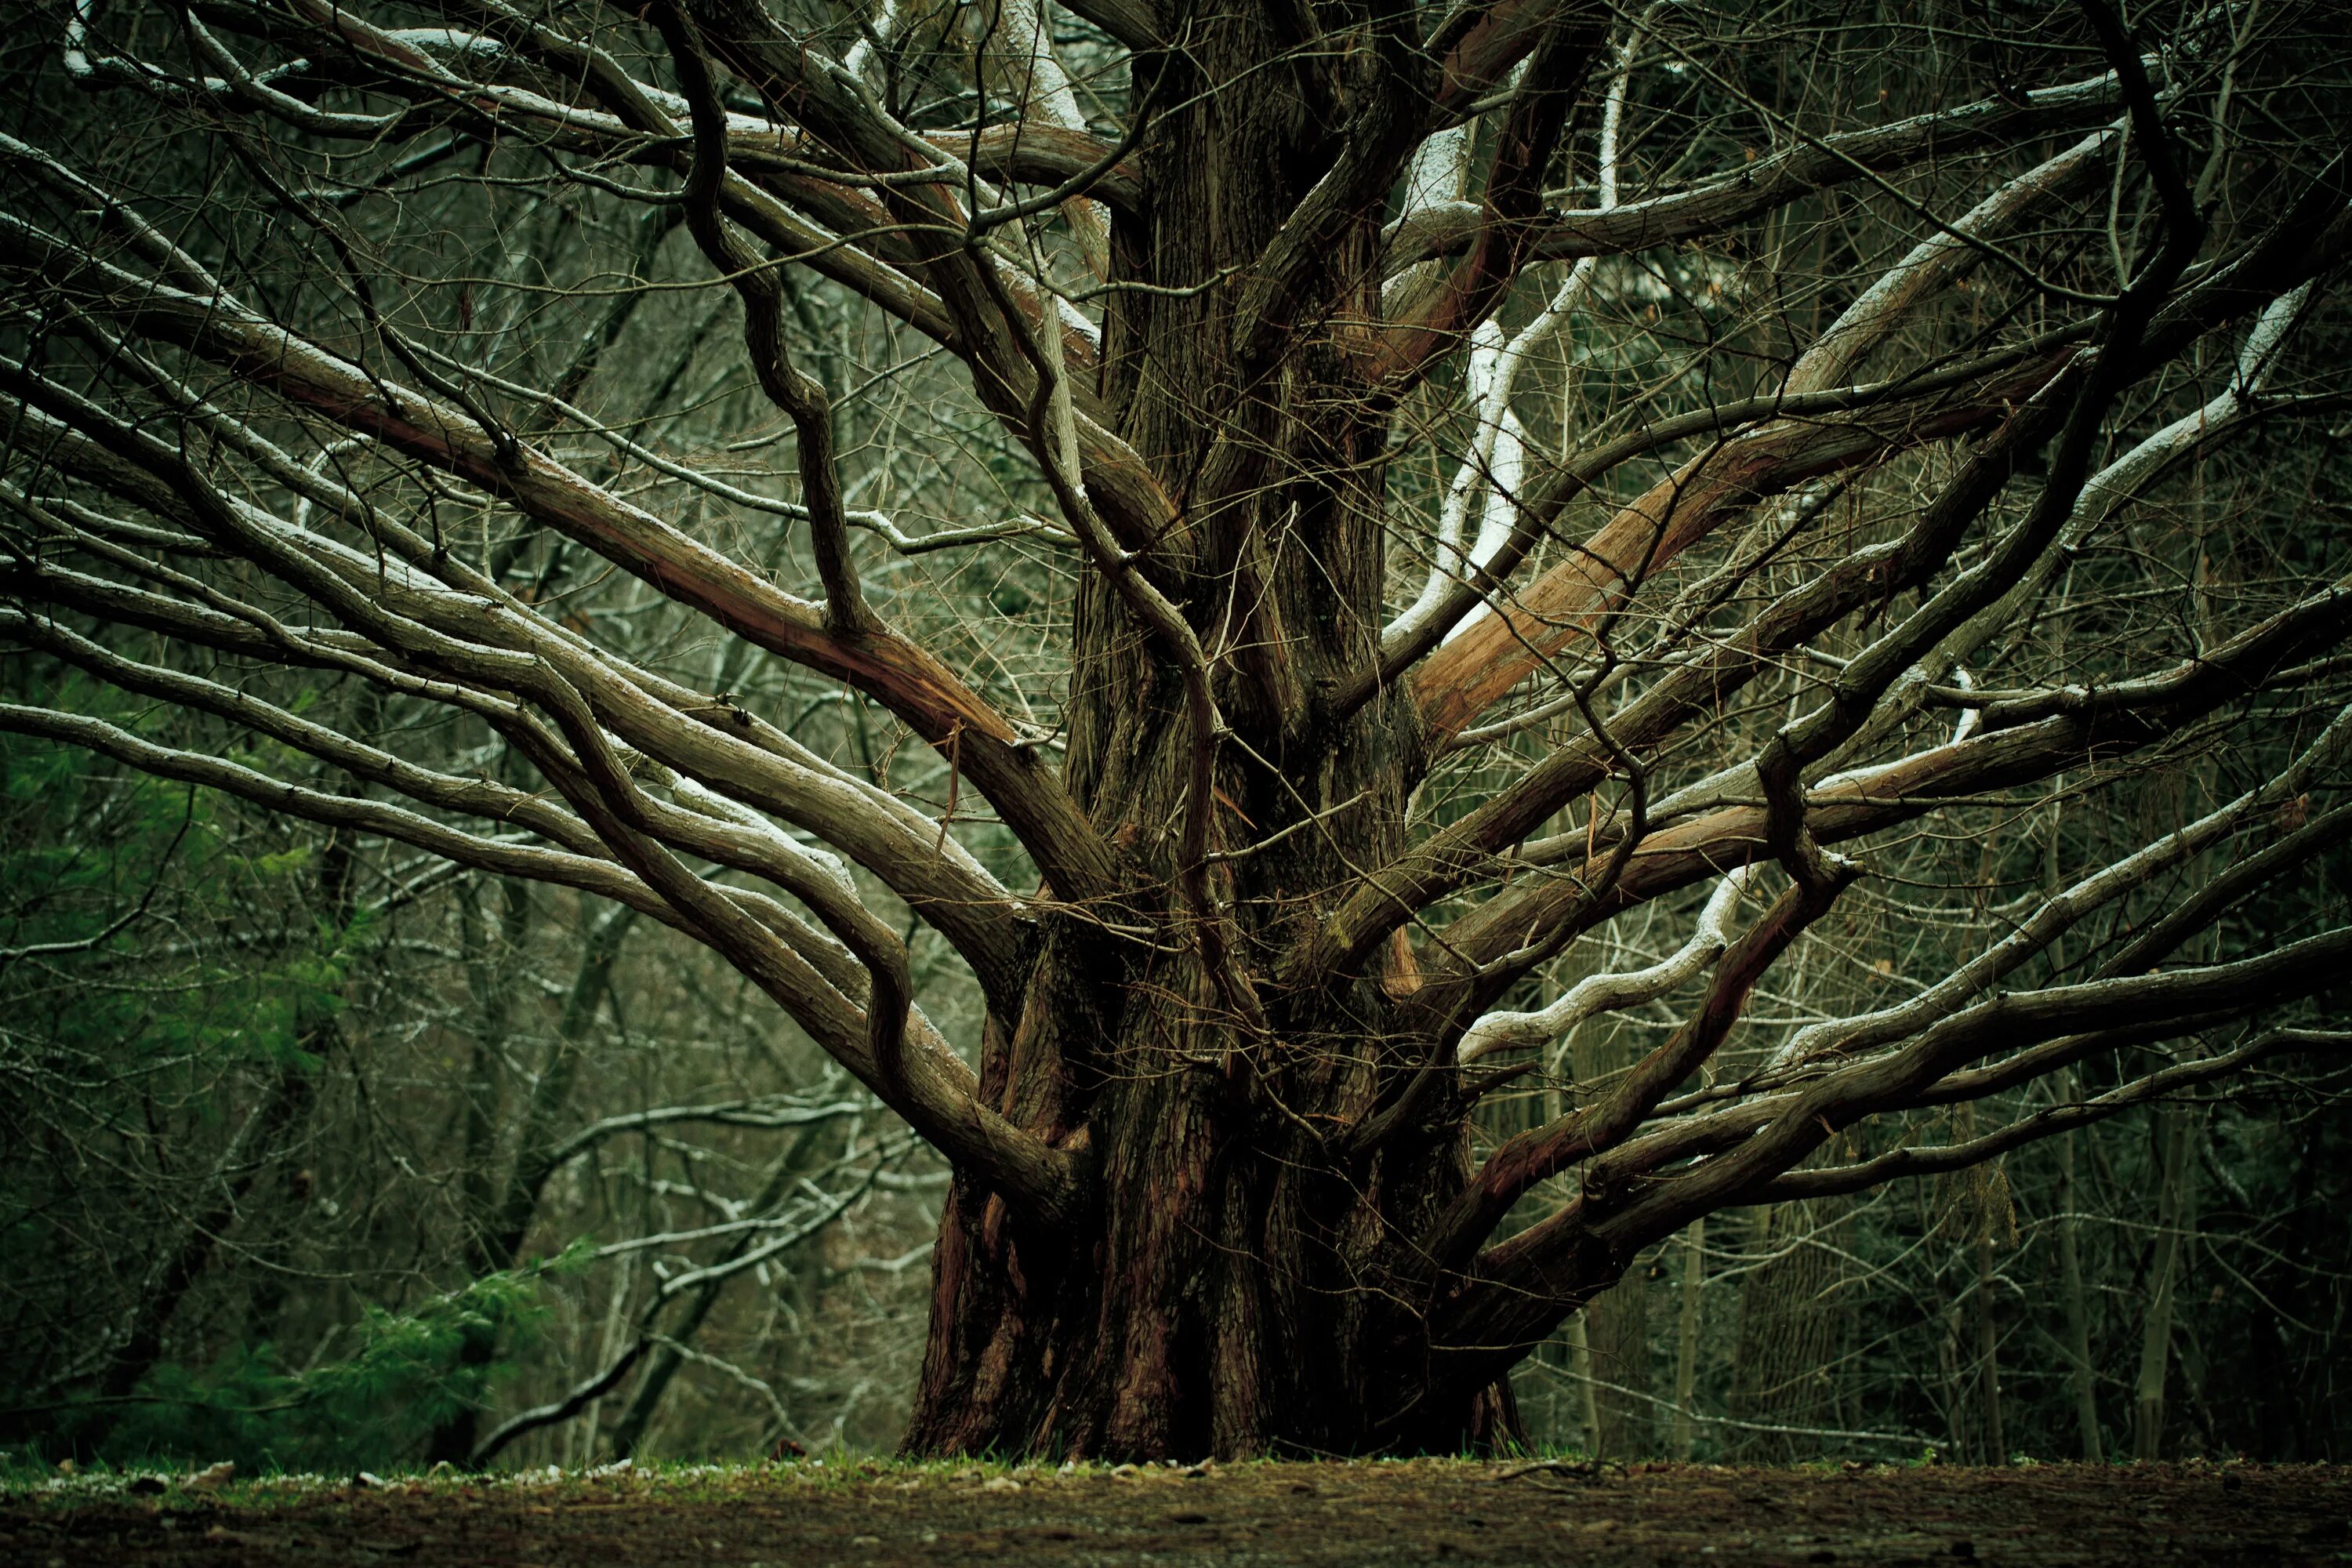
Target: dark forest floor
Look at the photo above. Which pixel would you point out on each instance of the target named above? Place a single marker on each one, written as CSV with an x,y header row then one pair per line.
x,y
1411,1512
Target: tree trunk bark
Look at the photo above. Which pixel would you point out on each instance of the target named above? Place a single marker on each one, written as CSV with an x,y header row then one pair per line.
x,y
1988,1352
1617,1320
1618,1325
2155,1328
1227,1298
499,1218
1244,1284
490,951
1237,1288
1788,1335
1580,1365
1686,1333
2077,1304
2082,1378
2174,1127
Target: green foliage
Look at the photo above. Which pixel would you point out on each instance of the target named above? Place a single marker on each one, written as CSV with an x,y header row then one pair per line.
x,y
171,966
370,1409
84,846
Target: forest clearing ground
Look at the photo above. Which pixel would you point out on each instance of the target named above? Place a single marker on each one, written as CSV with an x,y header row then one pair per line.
x,y
872,1513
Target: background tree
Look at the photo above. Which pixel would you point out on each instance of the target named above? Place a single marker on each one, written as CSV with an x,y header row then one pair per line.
x,y
1480,631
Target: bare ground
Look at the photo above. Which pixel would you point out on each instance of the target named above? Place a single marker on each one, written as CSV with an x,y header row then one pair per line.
x,y
1414,1512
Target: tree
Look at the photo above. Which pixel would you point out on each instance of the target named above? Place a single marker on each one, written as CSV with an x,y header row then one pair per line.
x,y
1420,487
242,1216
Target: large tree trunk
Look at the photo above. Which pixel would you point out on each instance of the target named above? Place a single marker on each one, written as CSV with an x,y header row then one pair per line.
x,y
1226,1297
1235,1288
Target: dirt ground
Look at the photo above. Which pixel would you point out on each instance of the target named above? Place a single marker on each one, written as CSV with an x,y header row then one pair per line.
x,y
1397,1512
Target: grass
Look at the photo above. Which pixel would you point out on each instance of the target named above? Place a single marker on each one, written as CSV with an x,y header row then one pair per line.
x,y
26,1478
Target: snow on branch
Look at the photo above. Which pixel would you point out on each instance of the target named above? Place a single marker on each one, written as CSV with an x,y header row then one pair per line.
x,y
1612,992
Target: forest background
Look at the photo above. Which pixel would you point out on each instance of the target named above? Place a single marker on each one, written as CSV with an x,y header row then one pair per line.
x,y
319,1152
